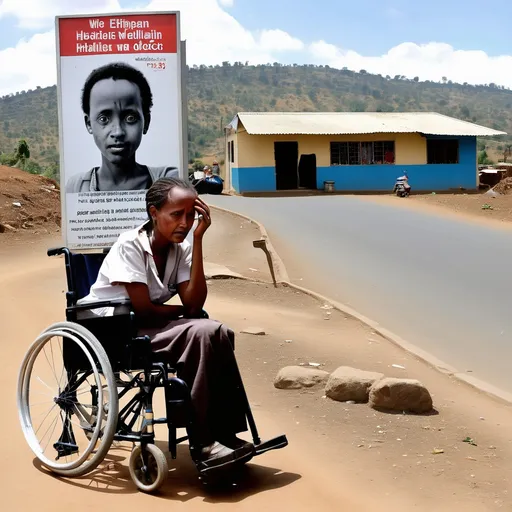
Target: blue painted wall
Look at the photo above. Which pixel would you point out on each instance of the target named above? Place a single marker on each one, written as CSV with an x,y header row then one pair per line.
x,y
254,179
235,178
360,178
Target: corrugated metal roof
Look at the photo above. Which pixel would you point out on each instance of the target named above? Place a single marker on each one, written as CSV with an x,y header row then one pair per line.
x,y
345,123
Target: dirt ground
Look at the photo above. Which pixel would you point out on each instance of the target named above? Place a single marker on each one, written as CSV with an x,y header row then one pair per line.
x,y
340,457
28,203
467,206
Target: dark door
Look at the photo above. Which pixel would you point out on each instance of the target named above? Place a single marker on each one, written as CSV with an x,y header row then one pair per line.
x,y
307,171
287,156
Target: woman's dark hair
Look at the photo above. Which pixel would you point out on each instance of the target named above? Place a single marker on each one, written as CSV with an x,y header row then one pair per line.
x,y
158,193
118,71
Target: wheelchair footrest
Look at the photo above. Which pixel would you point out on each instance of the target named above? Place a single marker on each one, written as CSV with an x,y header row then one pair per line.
x,y
272,444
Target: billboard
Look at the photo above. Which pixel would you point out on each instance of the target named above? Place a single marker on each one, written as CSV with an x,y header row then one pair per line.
x,y
120,119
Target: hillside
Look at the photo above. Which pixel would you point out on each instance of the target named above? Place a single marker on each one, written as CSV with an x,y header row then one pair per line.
x,y
217,93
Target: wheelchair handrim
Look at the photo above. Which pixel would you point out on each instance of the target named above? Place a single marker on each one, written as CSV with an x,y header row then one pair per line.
x,y
23,399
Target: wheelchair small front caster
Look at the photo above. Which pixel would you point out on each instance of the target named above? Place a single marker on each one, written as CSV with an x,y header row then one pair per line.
x,y
148,467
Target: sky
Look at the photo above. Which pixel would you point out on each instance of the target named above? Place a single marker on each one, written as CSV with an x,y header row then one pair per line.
x,y
463,40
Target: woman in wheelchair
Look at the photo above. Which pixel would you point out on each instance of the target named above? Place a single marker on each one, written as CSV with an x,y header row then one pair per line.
x,y
148,266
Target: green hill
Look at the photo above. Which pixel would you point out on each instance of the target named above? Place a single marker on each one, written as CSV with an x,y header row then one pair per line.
x,y
216,93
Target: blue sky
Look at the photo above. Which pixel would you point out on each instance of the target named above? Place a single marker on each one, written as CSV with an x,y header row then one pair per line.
x,y
380,25
464,40
372,27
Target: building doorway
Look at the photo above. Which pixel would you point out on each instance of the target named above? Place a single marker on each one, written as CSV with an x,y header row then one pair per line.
x,y
307,171
286,156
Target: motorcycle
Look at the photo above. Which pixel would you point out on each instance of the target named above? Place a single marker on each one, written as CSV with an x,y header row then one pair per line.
x,y
207,184
402,187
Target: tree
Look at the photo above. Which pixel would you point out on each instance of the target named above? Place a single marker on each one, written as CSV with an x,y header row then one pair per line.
x,y
416,79
464,110
198,165
483,158
507,152
32,167
52,172
22,151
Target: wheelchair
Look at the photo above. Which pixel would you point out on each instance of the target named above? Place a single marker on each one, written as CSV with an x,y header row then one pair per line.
x,y
75,376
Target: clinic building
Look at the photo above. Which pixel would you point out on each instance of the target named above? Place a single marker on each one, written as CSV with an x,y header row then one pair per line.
x,y
358,151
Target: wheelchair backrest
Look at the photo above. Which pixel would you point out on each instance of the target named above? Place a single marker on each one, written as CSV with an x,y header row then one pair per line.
x,y
86,268
82,272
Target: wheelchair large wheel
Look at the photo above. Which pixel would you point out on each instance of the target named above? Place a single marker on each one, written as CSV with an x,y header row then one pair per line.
x,y
67,400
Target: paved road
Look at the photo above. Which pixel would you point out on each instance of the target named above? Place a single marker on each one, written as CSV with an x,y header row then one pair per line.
x,y
440,283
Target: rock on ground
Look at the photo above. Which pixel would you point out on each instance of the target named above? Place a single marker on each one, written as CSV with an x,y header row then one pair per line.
x,y
400,395
255,331
296,377
348,383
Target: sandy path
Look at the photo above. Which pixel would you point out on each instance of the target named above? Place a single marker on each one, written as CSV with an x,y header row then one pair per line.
x,y
339,458
281,480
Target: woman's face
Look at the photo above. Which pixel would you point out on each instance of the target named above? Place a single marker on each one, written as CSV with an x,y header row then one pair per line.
x,y
116,119
175,219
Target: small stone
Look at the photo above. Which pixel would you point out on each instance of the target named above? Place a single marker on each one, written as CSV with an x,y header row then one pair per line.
x,y
350,384
255,331
6,227
17,204
288,341
400,395
296,377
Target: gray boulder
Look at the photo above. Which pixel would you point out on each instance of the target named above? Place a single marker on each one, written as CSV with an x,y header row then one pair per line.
x,y
407,395
297,377
346,384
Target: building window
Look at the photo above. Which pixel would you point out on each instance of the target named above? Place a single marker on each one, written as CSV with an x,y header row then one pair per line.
x,y
442,151
232,151
362,153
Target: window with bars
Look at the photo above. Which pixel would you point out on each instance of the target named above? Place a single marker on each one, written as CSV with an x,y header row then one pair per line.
x,y
362,153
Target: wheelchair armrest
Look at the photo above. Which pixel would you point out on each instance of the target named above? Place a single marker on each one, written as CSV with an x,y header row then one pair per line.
x,y
57,251
101,304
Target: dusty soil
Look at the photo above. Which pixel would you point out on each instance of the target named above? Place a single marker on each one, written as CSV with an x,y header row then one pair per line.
x,y
465,206
231,236
393,451
340,457
28,202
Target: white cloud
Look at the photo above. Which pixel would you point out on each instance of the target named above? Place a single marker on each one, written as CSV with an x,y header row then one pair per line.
x,y
226,3
279,40
430,61
29,64
35,14
212,36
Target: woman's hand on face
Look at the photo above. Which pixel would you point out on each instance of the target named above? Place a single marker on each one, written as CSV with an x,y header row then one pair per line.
x,y
204,221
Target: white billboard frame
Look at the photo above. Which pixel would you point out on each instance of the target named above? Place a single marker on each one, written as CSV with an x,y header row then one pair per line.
x,y
182,95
